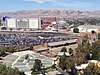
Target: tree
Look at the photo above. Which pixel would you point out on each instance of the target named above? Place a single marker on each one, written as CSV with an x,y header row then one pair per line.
x,y
37,65
11,49
76,30
96,50
92,69
2,50
64,49
62,62
63,59
70,50
79,58
93,32
96,54
6,70
98,36
73,70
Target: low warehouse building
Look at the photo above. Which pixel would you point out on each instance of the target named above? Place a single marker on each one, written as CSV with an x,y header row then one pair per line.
x,y
89,28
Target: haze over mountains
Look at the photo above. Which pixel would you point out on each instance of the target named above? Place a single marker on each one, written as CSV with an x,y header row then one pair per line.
x,y
52,12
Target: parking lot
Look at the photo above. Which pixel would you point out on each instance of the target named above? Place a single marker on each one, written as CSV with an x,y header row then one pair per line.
x,y
32,38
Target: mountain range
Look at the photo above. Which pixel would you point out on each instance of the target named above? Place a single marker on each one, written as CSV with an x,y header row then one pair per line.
x,y
52,12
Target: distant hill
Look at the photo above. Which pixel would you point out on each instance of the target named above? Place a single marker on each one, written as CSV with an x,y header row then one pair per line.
x,y
52,12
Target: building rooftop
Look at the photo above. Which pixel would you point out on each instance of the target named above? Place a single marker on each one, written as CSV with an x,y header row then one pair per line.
x,y
61,42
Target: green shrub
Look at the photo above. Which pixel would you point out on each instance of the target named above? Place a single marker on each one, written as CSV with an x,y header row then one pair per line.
x,y
76,30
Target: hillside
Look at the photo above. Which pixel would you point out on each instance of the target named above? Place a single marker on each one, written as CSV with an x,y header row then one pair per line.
x,y
56,13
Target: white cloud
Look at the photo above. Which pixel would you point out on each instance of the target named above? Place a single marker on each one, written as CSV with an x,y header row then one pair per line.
x,y
69,4
41,1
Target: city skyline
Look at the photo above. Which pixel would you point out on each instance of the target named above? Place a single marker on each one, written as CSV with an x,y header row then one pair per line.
x,y
14,5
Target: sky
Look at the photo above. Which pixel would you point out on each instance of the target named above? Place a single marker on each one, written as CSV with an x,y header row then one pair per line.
x,y
15,5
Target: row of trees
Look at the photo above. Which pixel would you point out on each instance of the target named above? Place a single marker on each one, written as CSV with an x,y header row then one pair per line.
x,y
10,49
91,21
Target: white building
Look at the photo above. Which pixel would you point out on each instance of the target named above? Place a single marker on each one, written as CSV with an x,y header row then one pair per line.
x,y
88,28
22,23
11,23
34,23
29,23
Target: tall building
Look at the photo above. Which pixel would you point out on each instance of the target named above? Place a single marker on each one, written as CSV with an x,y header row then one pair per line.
x,y
34,23
29,23
22,23
11,23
